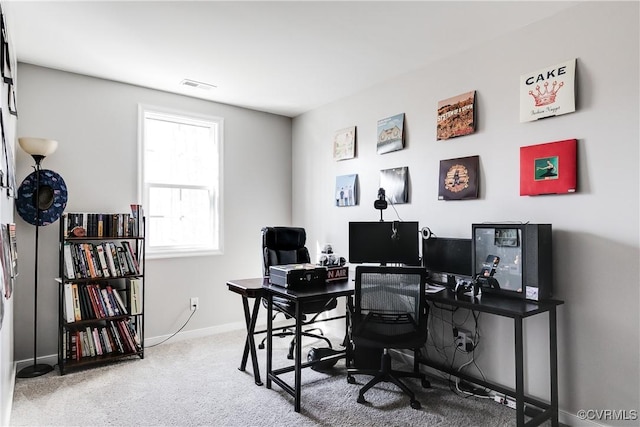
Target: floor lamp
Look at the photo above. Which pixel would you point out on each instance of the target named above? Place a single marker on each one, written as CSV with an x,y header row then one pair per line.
x,y
38,148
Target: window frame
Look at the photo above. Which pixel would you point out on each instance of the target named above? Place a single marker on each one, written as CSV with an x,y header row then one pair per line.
x,y
176,251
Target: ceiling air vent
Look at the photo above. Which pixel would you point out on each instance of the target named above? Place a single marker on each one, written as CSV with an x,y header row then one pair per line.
x,y
199,85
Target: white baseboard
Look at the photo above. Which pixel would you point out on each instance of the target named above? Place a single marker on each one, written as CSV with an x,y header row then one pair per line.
x,y
197,333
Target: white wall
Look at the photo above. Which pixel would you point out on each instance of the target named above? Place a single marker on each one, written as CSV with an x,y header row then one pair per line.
x,y
95,122
596,236
7,367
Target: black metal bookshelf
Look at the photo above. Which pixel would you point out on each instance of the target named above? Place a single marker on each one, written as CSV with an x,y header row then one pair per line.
x,y
95,325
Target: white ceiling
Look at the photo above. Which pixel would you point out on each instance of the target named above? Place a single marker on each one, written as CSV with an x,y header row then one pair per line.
x,y
281,57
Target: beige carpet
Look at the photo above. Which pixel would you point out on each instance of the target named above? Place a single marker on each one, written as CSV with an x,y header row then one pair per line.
x,y
196,383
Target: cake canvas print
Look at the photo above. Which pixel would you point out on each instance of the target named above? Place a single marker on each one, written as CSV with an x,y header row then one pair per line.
x,y
456,116
548,92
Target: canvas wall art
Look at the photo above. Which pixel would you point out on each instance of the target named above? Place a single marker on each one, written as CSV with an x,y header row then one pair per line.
x,y
346,191
395,182
548,92
458,179
548,168
344,144
390,134
456,116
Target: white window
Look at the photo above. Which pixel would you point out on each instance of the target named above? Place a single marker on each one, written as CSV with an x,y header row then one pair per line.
x,y
180,181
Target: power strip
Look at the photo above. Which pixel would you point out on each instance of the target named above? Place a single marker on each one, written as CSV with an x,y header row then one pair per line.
x,y
505,400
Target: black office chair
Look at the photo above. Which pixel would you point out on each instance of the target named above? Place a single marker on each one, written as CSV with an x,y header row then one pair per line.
x,y
286,245
390,313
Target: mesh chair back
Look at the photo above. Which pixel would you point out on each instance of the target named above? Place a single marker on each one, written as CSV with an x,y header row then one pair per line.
x,y
390,307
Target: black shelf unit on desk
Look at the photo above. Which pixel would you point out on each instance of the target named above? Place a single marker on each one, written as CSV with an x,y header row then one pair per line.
x,y
107,333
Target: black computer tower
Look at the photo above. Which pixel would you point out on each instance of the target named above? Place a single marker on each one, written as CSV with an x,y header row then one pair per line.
x,y
513,260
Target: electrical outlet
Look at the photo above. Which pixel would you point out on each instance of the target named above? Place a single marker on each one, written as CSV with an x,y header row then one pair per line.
x,y
193,303
464,339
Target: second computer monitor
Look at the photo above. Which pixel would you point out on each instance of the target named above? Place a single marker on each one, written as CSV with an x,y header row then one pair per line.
x,y
448,256
391,242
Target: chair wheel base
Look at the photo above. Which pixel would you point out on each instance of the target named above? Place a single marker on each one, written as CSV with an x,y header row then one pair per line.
x,y
426,383
351,379
361,399
415,404
261,346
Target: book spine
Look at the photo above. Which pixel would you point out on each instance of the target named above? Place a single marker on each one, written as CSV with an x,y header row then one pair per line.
x,y
109,256
116,337
112,301
69,312
120,301
103,260
68,262
86,302
107,302
131,258
76,302
135,296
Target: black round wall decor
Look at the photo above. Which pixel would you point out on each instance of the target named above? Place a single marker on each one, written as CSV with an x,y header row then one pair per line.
x,y
52,197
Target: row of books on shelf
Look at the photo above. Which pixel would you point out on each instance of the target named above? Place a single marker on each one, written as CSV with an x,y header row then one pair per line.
x,y
85,224
93,301
99,260
114,337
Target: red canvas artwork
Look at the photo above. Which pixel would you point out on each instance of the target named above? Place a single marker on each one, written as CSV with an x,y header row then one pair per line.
x,y
548,168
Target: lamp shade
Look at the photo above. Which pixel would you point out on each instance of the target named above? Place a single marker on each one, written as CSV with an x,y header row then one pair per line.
x,y
38,146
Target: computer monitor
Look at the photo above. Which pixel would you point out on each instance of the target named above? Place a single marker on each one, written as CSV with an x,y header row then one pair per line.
x,y
448,256
389,242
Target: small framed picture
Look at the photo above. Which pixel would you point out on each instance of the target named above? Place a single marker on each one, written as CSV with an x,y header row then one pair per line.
x,y
346,190
548,168
390,134
396,184
458,178
344,144
548,92
456,116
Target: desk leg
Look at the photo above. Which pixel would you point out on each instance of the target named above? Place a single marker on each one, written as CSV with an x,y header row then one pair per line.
x,y
347,332
269,337
250,344
298,356
553,366
519,347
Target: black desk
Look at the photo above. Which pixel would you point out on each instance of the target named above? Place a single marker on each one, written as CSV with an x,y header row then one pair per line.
x,y
249,288
299,298
518,310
